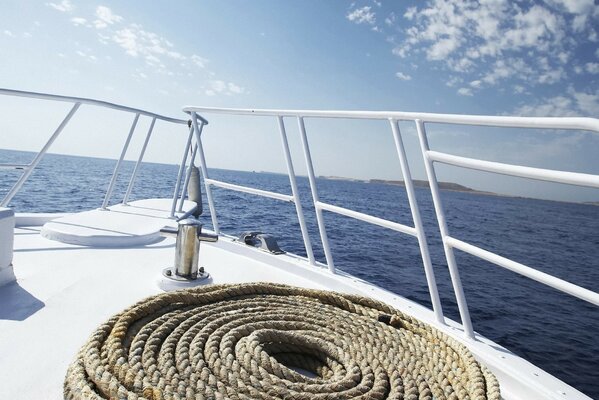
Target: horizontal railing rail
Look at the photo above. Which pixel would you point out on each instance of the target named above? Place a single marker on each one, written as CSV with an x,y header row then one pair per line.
x,y
99,103
431,157
583,123
416,231
77,102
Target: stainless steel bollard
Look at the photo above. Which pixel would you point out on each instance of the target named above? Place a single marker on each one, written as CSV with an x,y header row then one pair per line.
x,y
189,235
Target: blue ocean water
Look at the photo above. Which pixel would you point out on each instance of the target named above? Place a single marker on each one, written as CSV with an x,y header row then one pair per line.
x,y
552,330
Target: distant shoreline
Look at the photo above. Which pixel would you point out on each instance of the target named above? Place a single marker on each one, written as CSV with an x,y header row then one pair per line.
x,y
449,186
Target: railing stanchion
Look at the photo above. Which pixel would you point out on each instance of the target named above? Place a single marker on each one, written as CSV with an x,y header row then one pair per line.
x,y
451,263
187,178
138,164
117,168
194,119
38,157
422,243
180,173
312,179
295,191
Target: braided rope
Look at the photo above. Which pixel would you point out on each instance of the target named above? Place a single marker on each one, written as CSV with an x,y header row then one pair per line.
x,y
239,342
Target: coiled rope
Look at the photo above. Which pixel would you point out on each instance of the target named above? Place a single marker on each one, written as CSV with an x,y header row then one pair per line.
x,y
247,341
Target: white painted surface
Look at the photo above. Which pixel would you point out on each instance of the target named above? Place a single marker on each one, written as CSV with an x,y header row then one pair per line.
x,y
135,224
7,226
65,291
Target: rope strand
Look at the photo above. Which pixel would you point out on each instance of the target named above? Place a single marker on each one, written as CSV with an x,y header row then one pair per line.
x,y
247,341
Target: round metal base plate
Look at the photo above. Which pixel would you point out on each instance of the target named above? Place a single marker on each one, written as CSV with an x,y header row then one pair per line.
x,y
170,281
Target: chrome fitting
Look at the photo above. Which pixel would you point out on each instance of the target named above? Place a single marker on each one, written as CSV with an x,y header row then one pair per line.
x,y
189,235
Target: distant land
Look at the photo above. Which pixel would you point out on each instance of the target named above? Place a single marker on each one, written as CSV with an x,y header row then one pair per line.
x,y
417,183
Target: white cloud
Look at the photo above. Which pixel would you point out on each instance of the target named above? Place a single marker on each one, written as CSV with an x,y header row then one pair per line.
x,y
199,61
402,76
105,17
362,15
592,68
217,86
63,6
570,104
89,57
8,33
465,92
390,20
77,21
494,41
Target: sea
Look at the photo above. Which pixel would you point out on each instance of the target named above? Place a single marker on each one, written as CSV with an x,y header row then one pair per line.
x,y
552,330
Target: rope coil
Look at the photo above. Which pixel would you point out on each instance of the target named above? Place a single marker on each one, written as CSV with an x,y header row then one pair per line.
x,y
248,341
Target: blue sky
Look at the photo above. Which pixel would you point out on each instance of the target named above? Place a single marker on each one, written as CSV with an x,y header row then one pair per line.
x,y
487,57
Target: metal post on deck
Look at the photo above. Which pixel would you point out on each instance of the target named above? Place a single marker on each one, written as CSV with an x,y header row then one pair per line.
x,y
295,192
451,263
194,119
422,243
29,169
138,164
118,164
180,173
187,178
317,209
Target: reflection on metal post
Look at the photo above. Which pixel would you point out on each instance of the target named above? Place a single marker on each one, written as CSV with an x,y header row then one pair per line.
x,y
180,173
194,119
187,178
453,269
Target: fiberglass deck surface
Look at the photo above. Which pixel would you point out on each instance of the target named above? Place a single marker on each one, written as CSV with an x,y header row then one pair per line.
x,y
63,292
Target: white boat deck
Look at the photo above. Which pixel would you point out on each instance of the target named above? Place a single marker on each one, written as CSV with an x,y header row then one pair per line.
x,y
122,225
64,291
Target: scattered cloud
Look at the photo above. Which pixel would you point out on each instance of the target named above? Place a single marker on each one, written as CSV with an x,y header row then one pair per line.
x,y
63,6
77,21
199,61
465,92
570,104
8,33
105,17
87,56
592,68
156,54
362,15
402,76
221,87
494,41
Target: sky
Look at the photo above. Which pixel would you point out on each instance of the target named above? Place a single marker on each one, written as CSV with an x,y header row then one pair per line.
x,y
495,57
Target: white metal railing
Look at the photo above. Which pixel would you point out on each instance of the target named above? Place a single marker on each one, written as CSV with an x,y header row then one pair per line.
x,y
416,231
430,157
77,102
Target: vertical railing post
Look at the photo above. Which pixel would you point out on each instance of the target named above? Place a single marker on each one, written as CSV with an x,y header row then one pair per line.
x,y
138,164
180,173
295,192
17,186
317,209
422,243
118,164
187,178
194,119
451,263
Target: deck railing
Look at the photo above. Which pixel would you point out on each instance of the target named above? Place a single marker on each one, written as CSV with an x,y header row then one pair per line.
x,y
77,102
430,158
